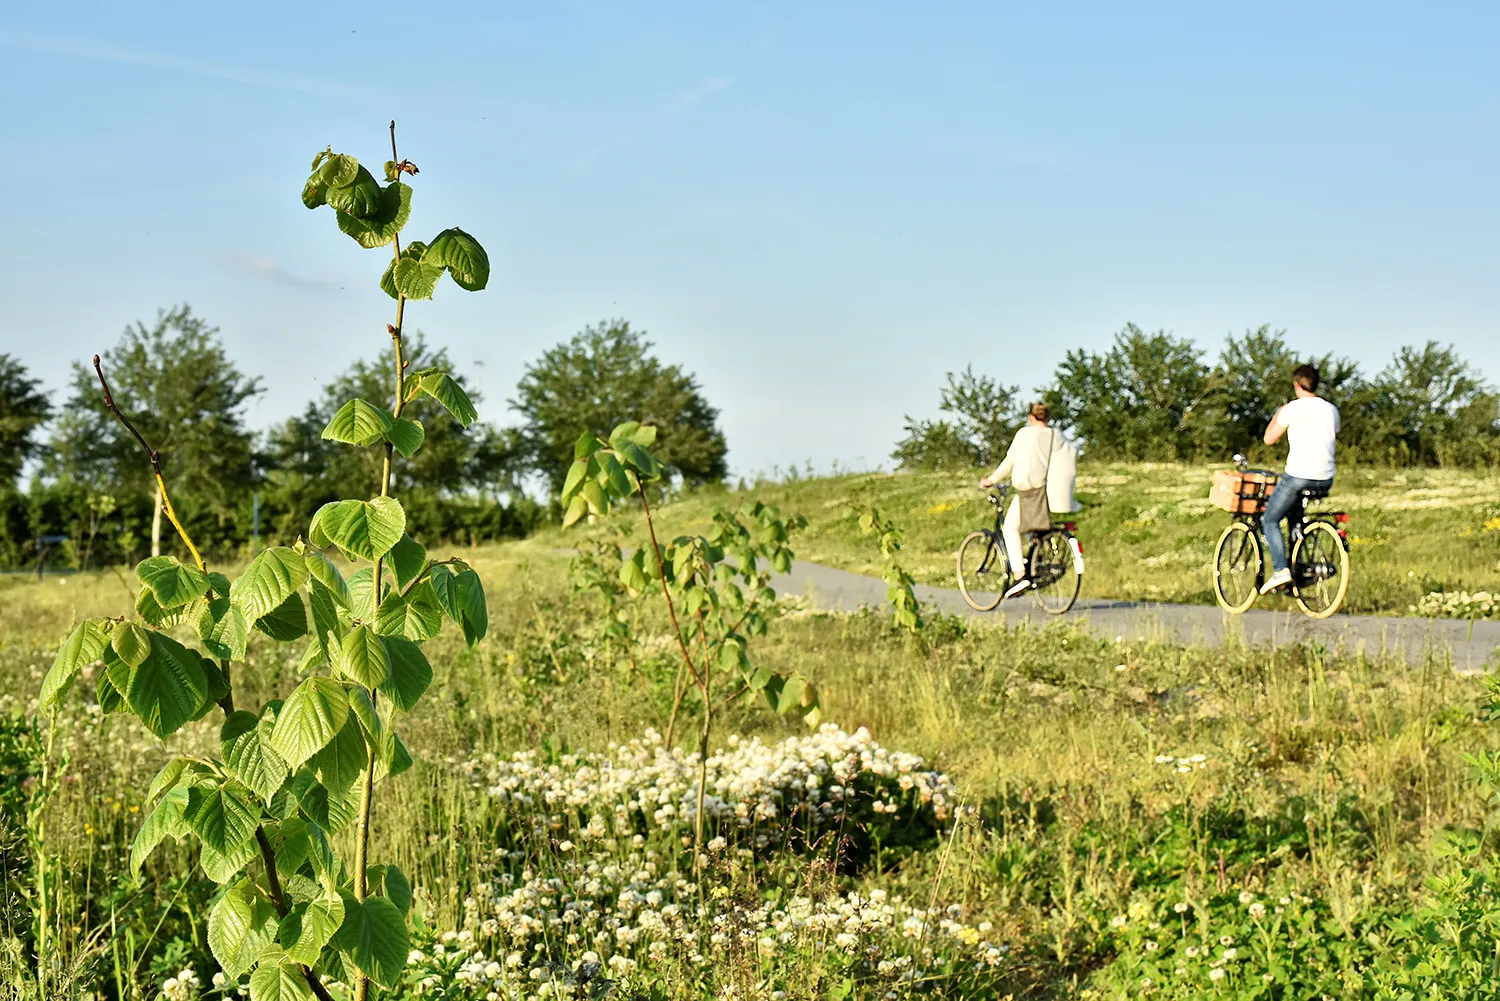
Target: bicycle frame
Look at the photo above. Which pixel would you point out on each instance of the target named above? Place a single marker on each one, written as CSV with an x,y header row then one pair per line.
x,y
1070,528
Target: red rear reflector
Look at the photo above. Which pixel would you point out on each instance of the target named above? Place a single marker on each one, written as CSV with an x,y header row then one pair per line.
x,y
1341,517
1070,526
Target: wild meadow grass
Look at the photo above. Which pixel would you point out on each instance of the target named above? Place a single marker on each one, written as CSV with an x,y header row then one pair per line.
x,y
1148,530
992,813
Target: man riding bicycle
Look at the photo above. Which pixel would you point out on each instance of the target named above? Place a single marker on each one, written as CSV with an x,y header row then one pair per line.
x,y
1310,424
1028,463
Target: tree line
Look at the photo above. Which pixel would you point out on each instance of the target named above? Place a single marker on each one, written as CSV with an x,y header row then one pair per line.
x,y
89,487
1158,397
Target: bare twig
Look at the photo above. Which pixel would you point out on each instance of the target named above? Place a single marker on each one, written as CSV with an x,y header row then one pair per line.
x,y
166,501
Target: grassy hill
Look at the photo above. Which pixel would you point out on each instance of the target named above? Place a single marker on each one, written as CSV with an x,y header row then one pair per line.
x,y
1148,530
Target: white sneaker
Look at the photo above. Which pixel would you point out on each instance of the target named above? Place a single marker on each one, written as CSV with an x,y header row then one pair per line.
x,y
1281,578
1018,587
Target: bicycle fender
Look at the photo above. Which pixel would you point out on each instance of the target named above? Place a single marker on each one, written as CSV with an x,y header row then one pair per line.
x,y
1077,555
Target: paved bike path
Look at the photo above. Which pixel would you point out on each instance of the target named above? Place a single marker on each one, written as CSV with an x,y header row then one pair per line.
x,y
1472,651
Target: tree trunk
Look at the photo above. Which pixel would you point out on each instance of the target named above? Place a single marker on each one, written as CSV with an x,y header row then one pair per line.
x,y
156,524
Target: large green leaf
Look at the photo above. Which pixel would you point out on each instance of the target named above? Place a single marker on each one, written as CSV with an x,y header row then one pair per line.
x,y
363,529
396,888
240,926
167,820
245,744
462,255
381,228
361,657
361,587
339,765
223,868
222,816
445,389
406,435
83,646
131,643
322,570
287,621
172,582
150,610
410,673
268,581
374,936
302,842
309,719
334,170
473,612
417,616
111,699
222,627
167,689
359,423
310,926
279,978
360,197
407,559
328,628
415,279
413,251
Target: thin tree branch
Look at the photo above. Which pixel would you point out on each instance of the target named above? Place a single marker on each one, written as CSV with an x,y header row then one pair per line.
x,y
278,898
661,574
166,500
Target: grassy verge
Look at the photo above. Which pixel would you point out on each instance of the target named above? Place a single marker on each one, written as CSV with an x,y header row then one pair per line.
x,y
1127,814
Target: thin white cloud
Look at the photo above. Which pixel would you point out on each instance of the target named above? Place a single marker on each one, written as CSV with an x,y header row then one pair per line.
x,y
688,98
93,50
676,105
273,270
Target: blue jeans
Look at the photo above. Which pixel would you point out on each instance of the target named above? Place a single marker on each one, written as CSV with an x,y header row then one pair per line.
x,y
1285,500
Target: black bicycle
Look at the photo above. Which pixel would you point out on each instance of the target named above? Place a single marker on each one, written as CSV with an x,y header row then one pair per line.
x,y
1319,551
1054,564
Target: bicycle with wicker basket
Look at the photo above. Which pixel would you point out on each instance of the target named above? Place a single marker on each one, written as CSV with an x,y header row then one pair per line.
x,y
1319,545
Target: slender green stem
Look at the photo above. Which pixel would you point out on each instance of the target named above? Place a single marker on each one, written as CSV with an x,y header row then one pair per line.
x,y
367,789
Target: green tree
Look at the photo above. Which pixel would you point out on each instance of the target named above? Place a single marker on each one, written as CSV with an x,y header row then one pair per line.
x,y
305,470
1427,407
24,408
1150,396
1254,378
985,413
602,377
188,398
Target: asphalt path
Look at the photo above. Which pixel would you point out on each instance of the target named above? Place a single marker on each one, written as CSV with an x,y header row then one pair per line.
x,y
1471,647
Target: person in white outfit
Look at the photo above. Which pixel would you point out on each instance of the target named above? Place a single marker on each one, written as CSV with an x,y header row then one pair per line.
x,y
1311,425
1038,456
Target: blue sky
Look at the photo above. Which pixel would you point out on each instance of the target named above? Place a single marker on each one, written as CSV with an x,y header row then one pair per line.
x,y
817,208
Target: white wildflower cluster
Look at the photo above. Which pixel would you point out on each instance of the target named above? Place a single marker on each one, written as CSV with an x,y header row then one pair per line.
x,y
1458,605
818,782
627,918
1190,763
183,987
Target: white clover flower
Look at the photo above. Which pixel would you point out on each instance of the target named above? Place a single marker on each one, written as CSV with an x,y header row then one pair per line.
x,y
1118,921
1180,907
1216,974
1246,896
1257,910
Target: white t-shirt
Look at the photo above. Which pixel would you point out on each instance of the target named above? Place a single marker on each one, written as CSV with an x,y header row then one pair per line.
x,y
1311,424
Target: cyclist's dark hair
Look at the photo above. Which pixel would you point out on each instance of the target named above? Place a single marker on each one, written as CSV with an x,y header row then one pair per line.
x,y
1307,377
1039,411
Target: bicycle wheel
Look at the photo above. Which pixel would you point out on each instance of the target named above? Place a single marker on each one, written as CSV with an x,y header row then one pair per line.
x,y
1320,570
1237,568
983,571
1054,573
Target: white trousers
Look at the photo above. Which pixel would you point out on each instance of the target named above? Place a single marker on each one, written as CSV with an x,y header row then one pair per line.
x,y
1011,532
